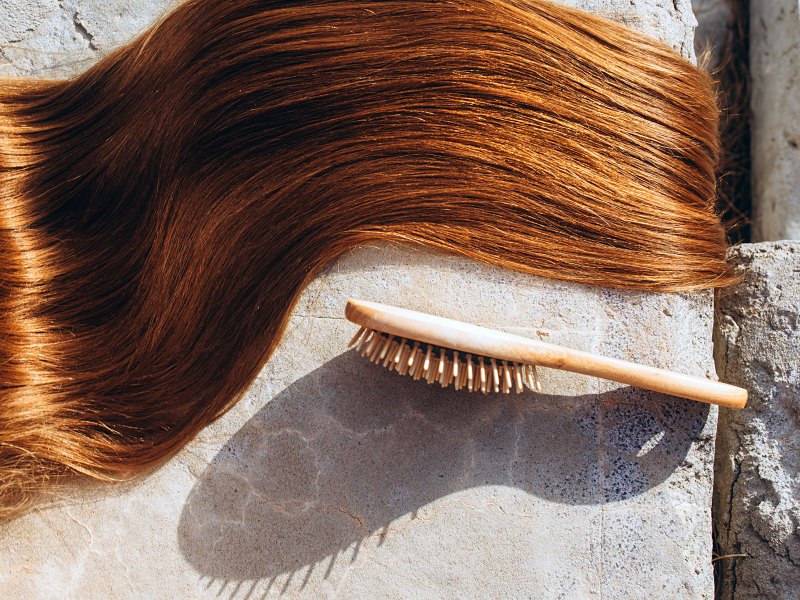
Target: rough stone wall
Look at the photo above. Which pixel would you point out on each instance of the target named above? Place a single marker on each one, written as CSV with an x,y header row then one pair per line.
x,y
775,104
757,495
332,478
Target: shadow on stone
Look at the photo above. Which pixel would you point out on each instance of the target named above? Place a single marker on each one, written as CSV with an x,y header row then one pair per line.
x,y
349,448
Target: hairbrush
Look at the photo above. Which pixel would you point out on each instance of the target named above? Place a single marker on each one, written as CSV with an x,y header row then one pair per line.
x,y
478,359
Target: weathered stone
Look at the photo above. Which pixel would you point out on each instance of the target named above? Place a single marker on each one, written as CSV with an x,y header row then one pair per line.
x,y
671,22
334,478
757,495
775,103
45,38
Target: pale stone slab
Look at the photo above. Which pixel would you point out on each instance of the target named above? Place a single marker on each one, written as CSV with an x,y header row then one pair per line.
x,y
333,478
49,38
775,104
757,496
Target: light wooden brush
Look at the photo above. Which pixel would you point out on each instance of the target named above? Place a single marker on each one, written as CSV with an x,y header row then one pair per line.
x,y
474,358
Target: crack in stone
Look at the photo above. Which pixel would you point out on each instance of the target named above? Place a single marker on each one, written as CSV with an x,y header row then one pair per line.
x,y
737,471
77,522
287,508
355,517
80,28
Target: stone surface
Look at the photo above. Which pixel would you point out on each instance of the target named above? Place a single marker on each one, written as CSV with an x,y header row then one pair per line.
x,y
775,102
50,38
333,478
673,22
757,496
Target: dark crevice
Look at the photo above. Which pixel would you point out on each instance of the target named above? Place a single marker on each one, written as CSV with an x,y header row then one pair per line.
x,y
80,28
734,173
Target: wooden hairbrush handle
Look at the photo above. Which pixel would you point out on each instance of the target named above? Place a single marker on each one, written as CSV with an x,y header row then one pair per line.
x,y
465,337
642,376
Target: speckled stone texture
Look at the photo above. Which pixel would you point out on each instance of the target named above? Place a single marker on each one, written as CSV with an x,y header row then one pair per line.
x,y
333,478
56,39
757,496
775,110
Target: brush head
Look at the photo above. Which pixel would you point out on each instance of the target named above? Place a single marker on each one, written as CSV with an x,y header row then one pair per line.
x,y
423,359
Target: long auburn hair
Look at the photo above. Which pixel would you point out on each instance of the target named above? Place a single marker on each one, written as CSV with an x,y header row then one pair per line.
x,y
161,212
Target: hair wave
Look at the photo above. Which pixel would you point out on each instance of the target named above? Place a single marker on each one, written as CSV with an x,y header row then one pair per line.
x,y
161,212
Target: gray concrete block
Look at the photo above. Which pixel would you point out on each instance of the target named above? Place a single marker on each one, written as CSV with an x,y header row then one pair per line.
x,y
775,104
333,478
757,495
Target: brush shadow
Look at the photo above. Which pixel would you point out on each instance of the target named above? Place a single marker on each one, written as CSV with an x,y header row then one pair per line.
x,y
347,449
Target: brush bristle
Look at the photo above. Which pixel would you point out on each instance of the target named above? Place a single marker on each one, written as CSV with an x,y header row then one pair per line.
x,y
445,366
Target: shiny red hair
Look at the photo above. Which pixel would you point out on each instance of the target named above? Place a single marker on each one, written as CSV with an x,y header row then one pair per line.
x,y
160,213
